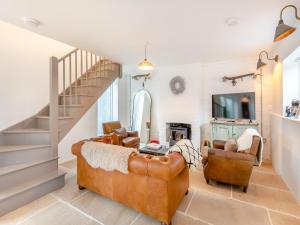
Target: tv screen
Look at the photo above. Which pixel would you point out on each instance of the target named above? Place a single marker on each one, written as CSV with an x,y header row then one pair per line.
x,y
234,106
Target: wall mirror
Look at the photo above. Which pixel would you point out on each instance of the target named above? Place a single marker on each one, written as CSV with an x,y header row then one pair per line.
x,y
141,114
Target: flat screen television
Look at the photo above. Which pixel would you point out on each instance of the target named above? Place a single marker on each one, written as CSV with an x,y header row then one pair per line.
x,y
234,106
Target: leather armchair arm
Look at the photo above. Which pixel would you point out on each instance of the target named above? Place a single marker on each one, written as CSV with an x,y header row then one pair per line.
x,y
133,133
116,139
219,153
219,144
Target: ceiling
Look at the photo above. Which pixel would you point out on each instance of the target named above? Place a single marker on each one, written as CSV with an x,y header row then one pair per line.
x,y
179,31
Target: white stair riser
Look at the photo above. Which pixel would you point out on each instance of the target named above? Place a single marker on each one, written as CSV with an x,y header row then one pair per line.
x,y
24,156
21,176
27,196
42,138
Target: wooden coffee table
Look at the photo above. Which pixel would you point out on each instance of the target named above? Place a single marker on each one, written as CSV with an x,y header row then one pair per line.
x,y
162,151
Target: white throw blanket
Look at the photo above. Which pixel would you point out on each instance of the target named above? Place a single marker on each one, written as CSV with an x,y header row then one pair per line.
x,y
245,141
106,156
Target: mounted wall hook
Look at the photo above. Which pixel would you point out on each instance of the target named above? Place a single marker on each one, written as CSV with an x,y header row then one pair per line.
x,y
233,79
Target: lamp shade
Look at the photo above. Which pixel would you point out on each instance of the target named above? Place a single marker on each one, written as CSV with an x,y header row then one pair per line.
x,y
282,31
145,65
260,64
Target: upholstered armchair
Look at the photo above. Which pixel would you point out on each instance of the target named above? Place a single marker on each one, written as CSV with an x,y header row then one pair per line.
x,y
120,135
230,167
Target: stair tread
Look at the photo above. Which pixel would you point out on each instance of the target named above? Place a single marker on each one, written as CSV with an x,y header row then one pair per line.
x,y
26,130
8,169
30,184
11,148
60,117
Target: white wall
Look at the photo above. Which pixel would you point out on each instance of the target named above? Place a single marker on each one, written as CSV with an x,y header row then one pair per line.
x,y
24,81
285,132
194,105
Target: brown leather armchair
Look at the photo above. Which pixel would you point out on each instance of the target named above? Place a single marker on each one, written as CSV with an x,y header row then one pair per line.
x,y
129,139
230,167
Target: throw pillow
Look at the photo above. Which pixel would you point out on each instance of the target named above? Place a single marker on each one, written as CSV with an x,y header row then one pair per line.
x,y
231,145
121,132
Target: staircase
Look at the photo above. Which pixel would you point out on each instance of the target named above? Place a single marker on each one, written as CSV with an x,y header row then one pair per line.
x,y
29,149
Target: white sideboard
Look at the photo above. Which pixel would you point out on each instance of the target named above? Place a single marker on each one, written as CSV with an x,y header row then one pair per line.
x,y
224,130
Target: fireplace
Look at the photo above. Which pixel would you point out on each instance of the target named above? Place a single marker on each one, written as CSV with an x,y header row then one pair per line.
x,y
177,131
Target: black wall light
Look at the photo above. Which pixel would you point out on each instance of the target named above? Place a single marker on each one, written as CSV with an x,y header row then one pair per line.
x,y
283,30
261,64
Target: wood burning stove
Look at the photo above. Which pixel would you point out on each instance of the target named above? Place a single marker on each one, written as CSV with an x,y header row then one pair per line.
x,y
177,131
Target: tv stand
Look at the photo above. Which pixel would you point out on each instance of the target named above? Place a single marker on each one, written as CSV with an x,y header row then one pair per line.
x,y
226,129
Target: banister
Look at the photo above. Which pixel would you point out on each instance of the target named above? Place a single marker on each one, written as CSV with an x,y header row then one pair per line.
x,y
67,55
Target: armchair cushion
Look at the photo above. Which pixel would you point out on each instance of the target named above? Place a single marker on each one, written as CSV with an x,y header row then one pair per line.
x,y
212,153
121,132
219,144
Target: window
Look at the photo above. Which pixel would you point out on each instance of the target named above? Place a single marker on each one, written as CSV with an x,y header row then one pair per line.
x,y
291,78
108,106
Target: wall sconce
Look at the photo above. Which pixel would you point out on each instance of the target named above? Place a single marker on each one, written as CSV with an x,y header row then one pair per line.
x,y
283,30
261,64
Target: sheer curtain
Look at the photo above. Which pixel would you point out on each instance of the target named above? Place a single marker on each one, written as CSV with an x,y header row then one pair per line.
x,y
108,106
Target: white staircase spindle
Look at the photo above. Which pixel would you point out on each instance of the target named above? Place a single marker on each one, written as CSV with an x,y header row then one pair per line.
x,y
64,88
53,106
70,80
76,77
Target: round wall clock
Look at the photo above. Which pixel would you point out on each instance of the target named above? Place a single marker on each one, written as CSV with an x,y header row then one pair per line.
x,y
177,85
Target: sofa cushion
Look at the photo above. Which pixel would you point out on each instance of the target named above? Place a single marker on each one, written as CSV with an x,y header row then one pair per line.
x,y
231,145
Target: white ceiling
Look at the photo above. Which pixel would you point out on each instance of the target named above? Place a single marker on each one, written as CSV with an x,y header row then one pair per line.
x,y
180,31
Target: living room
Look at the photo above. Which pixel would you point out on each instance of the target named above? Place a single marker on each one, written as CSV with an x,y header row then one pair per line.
x,y
188,78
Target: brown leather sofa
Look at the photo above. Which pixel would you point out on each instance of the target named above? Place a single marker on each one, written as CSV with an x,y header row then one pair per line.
x,y
230,167
131,138
155,185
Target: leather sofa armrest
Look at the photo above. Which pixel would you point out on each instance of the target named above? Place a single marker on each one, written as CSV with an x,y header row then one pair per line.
x,y
230,155
219,144
76,148
133,133
162,167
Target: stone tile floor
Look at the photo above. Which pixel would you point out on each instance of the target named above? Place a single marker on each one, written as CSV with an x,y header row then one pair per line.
x,y
267,202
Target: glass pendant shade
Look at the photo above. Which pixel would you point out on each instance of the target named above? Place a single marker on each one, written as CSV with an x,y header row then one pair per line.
x,y
145,65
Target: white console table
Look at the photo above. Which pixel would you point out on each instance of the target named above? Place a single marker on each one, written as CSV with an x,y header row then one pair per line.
x,y
224,130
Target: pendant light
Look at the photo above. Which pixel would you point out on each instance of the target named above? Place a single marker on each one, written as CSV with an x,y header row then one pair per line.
x,y
145,64
283,30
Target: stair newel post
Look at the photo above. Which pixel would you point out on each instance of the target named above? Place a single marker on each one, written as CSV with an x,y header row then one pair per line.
x,y
53,106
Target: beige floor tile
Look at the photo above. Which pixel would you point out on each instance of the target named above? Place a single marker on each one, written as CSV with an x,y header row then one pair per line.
x,y
27,210
220,210
70,191
280,219
186,200
105,210
270,198
197,180
178,219
268,179
58,213
265,168
181,219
